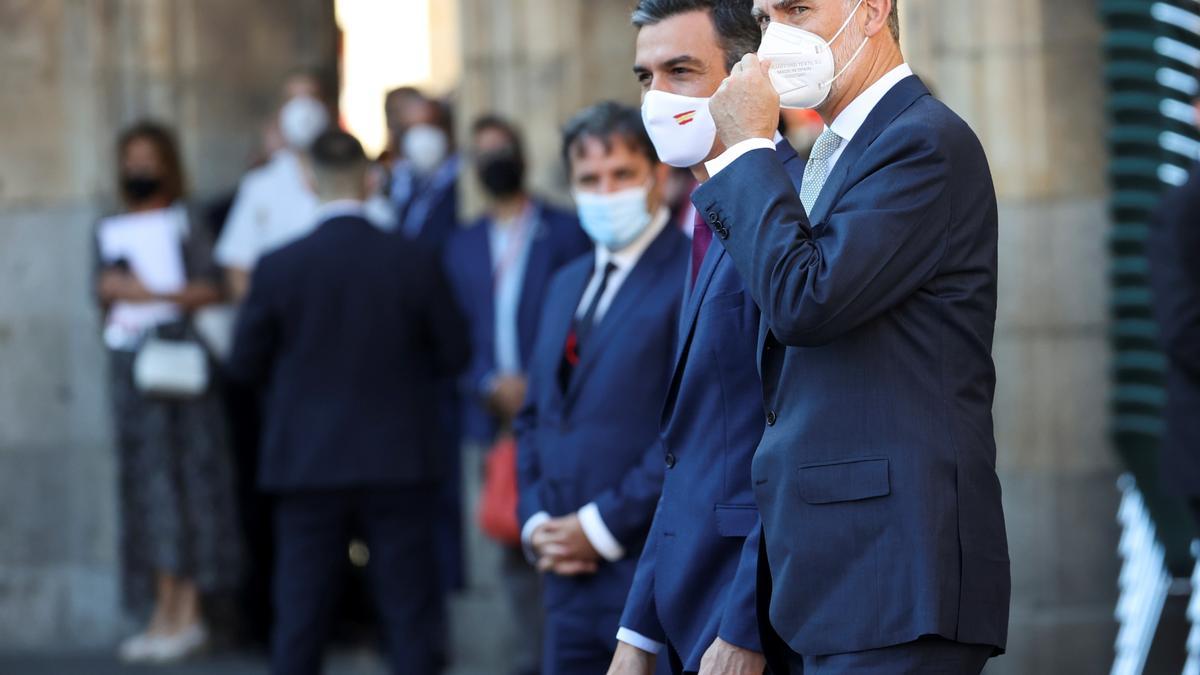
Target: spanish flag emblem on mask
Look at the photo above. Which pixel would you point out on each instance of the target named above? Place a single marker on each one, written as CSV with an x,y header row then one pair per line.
x,y
684,118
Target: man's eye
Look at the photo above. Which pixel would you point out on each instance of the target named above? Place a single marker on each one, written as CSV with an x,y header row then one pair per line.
x,y
680,71
797,11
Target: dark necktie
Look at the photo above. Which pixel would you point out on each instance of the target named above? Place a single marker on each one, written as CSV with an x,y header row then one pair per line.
x,y
701,240
581,328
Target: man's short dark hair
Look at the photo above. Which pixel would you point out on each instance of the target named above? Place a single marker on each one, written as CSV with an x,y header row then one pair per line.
x,y
894,20
735,26
607,123
336,151
495,122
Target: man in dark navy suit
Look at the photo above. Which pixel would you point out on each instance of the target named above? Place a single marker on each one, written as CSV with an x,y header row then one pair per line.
x,y
876,476
1173,250
348,330
500,268
590,464
692,602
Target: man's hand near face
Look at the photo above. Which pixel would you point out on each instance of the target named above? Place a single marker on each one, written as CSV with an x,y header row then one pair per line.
x,y
746,105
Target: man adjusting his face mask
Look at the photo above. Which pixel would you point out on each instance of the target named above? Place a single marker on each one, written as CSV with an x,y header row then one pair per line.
x,y
802,62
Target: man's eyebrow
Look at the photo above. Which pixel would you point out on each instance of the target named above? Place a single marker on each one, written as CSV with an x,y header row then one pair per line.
x,y
781,4
682,59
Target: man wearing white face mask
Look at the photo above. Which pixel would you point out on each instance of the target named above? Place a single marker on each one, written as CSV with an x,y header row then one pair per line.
x,y
692,602
884,539
424,180
590,471
275,204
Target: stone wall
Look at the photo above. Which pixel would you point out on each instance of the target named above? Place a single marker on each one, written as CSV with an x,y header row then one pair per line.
x,y
1028,77
74,72
539,63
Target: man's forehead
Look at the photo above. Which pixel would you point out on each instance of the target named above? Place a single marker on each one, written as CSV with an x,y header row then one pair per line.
x,y
687,34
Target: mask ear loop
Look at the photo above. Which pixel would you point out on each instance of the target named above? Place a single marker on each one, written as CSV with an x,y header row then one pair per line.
x,y
838,34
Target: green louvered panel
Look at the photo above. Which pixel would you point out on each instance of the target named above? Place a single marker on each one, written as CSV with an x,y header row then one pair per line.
x,y
1153,51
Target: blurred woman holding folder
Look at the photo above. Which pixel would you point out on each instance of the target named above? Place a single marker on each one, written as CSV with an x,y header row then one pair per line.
x,y
179,536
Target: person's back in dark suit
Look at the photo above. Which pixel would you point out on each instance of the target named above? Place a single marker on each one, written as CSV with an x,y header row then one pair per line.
x,y
588,451
348,330
1173,250
876,475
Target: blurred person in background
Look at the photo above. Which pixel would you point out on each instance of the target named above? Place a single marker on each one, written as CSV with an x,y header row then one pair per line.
x,y
1173,250
590,464
275,204
347,330
423,186
179,537
500,268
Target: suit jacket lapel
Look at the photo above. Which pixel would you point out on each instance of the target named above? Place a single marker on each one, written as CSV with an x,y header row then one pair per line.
x,y
629,296
563,323
896,101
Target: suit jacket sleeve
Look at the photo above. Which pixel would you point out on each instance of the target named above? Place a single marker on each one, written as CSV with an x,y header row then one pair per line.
x,y
628,508
1173,247
882,242
529,470
641,612
257,333
739,622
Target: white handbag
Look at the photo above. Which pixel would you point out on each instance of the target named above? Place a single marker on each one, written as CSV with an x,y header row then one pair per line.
x,y
171,368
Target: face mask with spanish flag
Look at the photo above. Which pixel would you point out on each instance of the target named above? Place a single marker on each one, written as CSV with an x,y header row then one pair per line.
x,y
681,127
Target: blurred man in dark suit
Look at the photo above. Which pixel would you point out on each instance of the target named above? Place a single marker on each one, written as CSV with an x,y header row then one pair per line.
x,y
590,463
1173,249
348,329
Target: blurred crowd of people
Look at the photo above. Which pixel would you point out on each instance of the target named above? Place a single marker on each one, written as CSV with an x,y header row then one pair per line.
x,y
249,462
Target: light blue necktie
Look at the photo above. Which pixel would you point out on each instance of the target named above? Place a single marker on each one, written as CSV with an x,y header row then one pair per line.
x,y
816,172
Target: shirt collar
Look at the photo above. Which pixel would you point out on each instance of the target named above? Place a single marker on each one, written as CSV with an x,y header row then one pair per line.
x,y
340,208
855,115
627,258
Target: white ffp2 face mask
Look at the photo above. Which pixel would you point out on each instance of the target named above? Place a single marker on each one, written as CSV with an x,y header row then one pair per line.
x,y
802,63
425,146
613,220
681,127
301,120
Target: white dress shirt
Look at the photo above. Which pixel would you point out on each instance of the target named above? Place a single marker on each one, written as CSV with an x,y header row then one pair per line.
x,y
846,125
510,241
625,260
274,207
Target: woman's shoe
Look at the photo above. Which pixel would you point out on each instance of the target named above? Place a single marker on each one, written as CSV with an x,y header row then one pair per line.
x,y
187,642
137,648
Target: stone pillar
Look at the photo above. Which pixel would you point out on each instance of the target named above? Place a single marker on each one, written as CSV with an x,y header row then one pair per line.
x,y
73,73
539,63
1027,76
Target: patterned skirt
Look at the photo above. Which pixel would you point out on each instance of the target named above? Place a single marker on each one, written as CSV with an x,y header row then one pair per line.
x,y
177,501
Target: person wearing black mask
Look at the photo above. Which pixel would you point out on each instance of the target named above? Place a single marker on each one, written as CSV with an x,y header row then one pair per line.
x,y
179,536
500,268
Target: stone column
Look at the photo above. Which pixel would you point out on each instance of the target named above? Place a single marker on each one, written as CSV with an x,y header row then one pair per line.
x,y
72,72
539,63
1027,76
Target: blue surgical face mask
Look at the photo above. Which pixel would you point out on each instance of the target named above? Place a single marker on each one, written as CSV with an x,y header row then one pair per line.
x,y
613,220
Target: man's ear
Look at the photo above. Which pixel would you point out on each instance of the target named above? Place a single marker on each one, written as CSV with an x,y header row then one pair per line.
x,y
877,13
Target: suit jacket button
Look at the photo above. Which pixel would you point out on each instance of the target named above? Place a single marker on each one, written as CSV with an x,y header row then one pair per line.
x,y
712,217
670,460
771,418
722,231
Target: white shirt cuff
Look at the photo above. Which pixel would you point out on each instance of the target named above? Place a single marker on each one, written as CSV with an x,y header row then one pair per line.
x,y
718,163
535,521
598,534
639,641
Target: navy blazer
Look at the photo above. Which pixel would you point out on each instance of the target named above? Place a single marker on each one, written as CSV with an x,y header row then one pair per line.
x,y
598,440
1173,249
557,241
696,578
876,475
348,329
